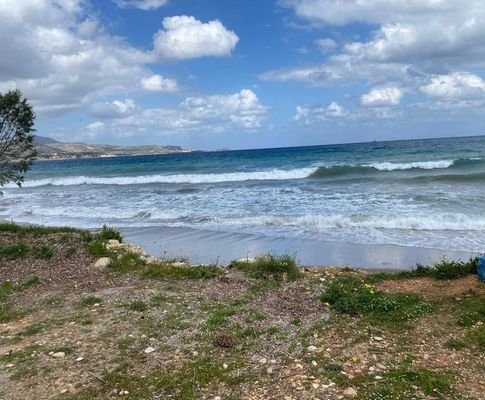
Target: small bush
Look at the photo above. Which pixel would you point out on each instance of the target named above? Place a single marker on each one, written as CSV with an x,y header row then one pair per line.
x,y
126,263
98,248
225,340
13,252
108,233
455,344
270,266
350,295
31,281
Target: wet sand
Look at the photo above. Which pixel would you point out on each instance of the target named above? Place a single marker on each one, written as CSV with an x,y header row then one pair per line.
x,y
203,246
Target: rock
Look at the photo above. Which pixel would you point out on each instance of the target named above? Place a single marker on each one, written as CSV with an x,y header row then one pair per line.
x,y
269,370
246,260
149,350
103,262
179,264
59,354
350,392
225,366
10,365
311,349
79,359
315,385
113,244
151,260
378,339
263,360
314,363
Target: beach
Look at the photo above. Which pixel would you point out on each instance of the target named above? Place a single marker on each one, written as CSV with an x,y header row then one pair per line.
x,y
372,205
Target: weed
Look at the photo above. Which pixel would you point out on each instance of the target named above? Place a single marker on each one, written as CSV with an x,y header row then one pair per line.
x,y
271,267
91,301
126,263
350,295
138,306
455,344
98,248
35,230
43,252
13,252
108,233
168,270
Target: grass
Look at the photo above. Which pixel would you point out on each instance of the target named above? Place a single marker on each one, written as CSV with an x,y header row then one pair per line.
x,y
91,301
35,230
455,344
109,233
7,310
98,248
167,270
138,306
271,267
350,295
126,263
44,252
443,270
13,252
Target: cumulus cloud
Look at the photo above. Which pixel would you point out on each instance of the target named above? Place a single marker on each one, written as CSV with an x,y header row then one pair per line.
x,y
217,113
185,37
312,114
141,4
413,41
115,109
157,83
382,97
457,85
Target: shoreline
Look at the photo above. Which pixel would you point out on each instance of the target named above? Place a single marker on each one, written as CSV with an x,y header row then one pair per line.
x,y
213,247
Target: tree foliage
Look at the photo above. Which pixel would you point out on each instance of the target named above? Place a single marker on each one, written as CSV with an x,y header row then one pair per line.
x,y
17,147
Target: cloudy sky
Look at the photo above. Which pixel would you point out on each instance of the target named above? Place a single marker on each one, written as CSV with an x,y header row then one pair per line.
x,y
239,74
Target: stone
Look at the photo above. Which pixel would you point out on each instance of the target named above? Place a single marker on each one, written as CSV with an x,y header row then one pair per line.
x,y
263,360
179,264
225,366
79,359
311,349
246,260
59,354
314,363
149,350
350,392
113,244
378,339
103,262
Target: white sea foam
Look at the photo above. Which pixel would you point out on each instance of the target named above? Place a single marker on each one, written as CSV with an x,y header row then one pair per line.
x,y
389,166
274,174
442,222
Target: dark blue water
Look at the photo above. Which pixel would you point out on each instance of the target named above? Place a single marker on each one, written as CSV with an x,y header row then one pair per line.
x,y
426,193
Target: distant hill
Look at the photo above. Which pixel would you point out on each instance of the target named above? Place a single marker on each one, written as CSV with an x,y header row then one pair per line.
x,y
52,149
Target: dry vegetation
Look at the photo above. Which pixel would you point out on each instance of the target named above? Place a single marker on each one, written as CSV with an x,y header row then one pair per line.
x,y
133,330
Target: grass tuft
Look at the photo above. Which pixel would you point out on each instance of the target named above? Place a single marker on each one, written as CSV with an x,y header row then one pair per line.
x,y
13,252
271,267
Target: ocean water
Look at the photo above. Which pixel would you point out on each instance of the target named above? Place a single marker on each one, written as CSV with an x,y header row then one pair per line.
x,y
424,193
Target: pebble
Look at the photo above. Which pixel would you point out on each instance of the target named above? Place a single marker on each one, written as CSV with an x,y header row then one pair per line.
x,y
59,354
195,353
311,349
269,370
378,338
79,359
263,360
225,366
314,363
10,365
149,350
315,385
378,377
350,392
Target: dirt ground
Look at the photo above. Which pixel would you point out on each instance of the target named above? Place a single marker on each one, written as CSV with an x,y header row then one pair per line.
x,y
83,332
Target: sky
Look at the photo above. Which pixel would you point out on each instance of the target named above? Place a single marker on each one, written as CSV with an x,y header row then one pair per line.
x,y
209,74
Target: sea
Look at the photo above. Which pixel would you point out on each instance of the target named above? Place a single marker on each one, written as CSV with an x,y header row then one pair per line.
x,y
421,193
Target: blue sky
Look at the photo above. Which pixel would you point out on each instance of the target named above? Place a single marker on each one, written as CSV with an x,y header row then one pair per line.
x,y
209,74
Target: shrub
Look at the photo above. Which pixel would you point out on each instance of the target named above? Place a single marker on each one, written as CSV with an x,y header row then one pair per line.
x,y
350,295
98,248
270,266
126,263
108,233
43,252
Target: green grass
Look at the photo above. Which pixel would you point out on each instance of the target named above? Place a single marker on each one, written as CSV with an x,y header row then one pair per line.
x,y
476,337
13,252
138,306
91,301
271,267
350,295
443,270
8,311
167,270
98,248
35,230
126,263
455,344
109,233
44,252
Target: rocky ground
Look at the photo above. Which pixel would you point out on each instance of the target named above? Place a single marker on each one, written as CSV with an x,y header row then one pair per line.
x,y
141,329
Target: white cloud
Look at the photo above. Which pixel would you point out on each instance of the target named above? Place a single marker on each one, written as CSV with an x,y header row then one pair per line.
x,y
326,45
413,41
458,85
309,115
115,109
382,97
95,126
141,4
157,83
185,37
216,113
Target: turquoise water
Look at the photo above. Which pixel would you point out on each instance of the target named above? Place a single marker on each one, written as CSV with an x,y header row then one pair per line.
x,y
425,193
